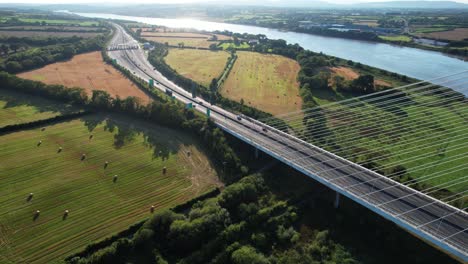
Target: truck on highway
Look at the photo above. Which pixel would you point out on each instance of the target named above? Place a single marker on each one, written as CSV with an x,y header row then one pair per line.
x,y
169,92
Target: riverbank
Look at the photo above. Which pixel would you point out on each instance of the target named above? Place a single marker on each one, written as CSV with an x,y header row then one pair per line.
x,y
412,62
452,52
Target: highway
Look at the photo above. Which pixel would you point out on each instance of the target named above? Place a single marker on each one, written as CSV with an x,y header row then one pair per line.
x,y
439,224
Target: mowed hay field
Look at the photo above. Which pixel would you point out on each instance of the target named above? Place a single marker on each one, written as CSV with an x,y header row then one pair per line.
x,y
349,74
190,39
199,65
98,206
266,82
455,35
188,42
17,108
90,72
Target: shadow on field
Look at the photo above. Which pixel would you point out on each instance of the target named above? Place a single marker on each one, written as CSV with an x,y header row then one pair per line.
x,y
161,140
14,99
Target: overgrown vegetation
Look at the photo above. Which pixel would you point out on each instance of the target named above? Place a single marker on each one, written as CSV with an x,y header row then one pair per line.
x,y
50,51
244,224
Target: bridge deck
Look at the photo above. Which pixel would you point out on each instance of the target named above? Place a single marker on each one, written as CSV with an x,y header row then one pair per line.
x,y
440,224
431,219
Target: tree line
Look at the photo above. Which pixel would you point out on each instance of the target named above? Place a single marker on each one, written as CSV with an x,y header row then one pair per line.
x,y
165,112
156,58
55,49
245,224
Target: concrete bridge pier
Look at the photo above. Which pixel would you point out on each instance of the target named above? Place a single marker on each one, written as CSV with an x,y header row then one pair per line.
x,y
337,200
256,153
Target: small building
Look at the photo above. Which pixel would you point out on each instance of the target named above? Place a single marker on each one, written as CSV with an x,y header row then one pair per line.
x,y
253,42
147,46
430,42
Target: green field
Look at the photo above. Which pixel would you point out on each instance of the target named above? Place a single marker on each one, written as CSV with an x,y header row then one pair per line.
x,y
267,82
399,38
16,108
426,137
210,64
243,45
59,21
98,206
429,29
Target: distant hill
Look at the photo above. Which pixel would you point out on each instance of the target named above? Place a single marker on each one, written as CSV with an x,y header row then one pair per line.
x,y
413,5
319,4
324,4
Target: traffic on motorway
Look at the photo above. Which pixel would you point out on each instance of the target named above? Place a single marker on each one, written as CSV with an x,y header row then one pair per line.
x,y
410,209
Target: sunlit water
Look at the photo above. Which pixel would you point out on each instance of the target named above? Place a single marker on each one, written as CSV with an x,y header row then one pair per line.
x,y
416,63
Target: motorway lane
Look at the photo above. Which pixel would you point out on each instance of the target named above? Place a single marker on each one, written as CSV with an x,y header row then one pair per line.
x,y
414,208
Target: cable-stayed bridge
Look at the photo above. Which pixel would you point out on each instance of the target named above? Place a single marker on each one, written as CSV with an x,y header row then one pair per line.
x,y
433,220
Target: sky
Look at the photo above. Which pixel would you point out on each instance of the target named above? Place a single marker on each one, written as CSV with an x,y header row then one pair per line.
x,y
184,1
188,1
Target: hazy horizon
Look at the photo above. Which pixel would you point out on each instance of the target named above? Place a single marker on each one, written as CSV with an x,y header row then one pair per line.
x,y
203,1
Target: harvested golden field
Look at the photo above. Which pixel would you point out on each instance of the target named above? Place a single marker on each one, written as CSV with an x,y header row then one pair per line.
x,y
183,35
349,74
456,34
199,65
370,23
188,42
175,35
345,72
90,72
42,33
190,39
266,82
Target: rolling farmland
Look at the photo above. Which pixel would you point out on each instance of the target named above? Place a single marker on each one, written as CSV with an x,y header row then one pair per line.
x,y
16,108
211,64
99,203
188,42
267,82
42,33
87,71
189,39
456,34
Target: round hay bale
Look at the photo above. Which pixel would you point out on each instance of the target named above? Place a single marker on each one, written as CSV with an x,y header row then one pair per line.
x,y
152,209
38,212
164,170
115,178
66,212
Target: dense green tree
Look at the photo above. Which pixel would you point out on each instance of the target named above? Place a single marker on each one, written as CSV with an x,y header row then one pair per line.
x,y
13,66
248,255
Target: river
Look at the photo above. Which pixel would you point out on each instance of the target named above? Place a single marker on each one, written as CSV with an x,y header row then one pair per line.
x,y
416,63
